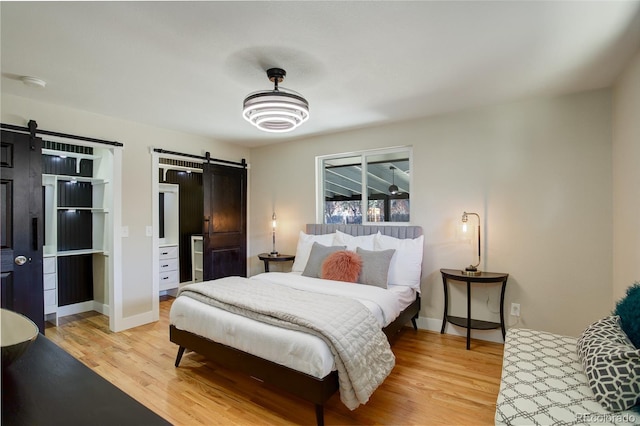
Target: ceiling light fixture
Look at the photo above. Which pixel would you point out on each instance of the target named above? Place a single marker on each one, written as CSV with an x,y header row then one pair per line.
x,y
33,81
278,110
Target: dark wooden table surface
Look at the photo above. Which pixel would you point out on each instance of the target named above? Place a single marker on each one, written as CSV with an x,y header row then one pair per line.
x,y
47,386
267,257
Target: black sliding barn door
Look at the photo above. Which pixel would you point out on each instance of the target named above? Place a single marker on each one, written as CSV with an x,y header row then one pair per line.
x,y
21,230
225,221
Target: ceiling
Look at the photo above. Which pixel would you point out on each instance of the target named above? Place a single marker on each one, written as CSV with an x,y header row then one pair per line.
x,y
187,66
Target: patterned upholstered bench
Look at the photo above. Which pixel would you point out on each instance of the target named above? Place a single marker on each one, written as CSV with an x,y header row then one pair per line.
x,y
544,383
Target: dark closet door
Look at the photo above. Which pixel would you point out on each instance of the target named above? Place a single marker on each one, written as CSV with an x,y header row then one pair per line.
x,y
225,221
21,230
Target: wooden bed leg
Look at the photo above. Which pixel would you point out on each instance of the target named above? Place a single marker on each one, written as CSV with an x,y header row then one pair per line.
x,y
179,357
413,321
320,414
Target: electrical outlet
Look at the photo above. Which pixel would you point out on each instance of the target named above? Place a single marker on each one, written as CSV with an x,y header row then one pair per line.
x,y
515,309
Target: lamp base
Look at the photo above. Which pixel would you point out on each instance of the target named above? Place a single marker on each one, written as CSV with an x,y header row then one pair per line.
x,y
472,271
273,254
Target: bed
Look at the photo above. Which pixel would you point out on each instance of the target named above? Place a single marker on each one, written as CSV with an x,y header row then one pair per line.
x,y
309,370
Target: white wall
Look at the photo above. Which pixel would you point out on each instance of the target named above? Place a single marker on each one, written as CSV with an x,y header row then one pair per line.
x,y
136,179
539,174
626,179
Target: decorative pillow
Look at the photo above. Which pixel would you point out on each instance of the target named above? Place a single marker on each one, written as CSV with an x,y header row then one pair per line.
x,y
352,242
406,264
305,242
628,309
611,363
318,253
343,265
375,266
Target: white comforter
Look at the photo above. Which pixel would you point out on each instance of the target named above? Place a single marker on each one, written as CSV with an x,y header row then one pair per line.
x,y
383,306
300,351
362,353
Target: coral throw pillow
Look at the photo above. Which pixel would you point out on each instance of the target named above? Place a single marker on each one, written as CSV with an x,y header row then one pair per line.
x,y
342,265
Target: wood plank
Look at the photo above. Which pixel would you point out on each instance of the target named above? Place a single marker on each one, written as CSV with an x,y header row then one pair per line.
x,y
435,381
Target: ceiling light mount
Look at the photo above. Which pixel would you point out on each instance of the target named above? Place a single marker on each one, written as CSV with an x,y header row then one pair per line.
x,y
276,75
279,110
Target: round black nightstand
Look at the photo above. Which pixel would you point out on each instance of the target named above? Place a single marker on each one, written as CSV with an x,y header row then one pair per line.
x,y
457,275
266,258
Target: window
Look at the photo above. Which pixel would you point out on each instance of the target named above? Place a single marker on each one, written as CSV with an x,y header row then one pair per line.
x,y
366,187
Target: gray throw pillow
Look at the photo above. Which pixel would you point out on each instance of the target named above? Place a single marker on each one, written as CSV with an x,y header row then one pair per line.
x,y
317,255
375,266
611,363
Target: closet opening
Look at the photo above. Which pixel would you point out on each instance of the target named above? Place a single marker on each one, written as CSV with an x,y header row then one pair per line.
x,y
79,215
180,218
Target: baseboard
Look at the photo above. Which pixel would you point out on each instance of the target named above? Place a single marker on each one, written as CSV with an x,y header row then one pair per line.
x,y
173,292
433,324
101,308
134,321
76,308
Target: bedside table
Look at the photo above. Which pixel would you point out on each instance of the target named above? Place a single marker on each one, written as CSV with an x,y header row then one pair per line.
x,y
266,258
483,278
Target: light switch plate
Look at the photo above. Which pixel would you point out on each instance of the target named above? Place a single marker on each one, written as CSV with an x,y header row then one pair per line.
x,y
149,231
124,232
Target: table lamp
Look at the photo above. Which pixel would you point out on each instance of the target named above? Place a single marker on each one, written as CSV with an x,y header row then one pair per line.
x,y
472,269
273,253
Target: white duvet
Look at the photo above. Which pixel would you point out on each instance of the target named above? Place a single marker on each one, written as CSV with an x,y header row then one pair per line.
x,y
300,351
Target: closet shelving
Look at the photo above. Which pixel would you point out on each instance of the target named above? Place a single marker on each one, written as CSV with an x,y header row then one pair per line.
x,y
169,237
76,197
196,258
57,204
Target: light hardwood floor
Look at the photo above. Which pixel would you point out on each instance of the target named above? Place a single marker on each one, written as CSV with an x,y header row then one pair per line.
x,y
435,381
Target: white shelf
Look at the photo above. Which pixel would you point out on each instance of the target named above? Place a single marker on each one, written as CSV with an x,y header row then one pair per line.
x,y
78,252
91,209
69,178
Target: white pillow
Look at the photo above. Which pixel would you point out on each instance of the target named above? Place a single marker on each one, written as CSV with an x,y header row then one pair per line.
x,y
305,242
406,263
363,241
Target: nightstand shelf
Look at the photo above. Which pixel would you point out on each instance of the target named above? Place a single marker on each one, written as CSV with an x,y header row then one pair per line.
x,y
475,324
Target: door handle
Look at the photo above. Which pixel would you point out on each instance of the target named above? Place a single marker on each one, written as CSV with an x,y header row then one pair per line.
x,y
21,260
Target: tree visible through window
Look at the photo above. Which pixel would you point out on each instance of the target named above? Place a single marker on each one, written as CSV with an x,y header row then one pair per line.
x,y
375,183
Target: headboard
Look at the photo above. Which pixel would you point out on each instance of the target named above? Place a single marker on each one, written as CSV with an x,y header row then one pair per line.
x,y
397,231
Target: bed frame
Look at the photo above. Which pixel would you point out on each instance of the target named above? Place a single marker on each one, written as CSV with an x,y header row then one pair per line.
x,y
310,388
